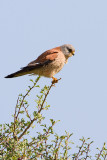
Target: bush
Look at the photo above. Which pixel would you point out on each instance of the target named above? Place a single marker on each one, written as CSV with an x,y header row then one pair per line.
x,y
16,143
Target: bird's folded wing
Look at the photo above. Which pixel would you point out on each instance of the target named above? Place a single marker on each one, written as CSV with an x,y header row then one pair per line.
x,y
44,59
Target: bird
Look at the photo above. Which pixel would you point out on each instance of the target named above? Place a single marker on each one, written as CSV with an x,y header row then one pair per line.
x,y
48,63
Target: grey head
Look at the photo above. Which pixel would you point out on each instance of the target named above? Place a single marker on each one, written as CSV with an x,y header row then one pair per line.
x,y
68,50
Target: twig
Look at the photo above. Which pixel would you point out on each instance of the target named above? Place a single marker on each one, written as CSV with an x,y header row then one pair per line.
x,y
26,95
27,112
105,156
80,149
87,151
55,148
67,145
23,100
46,148
56,156
14,134
27,128
41,107
34,119
100,152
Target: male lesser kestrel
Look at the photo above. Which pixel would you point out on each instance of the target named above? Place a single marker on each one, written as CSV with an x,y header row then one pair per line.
x,y
48,63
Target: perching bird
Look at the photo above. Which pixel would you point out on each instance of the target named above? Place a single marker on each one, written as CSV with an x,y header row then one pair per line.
x,y
48,63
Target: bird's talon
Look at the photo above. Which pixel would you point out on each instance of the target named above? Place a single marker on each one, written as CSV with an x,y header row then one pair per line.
x,y
55,80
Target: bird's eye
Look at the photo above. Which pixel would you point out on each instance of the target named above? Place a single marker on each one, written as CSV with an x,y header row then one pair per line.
x,y
70,50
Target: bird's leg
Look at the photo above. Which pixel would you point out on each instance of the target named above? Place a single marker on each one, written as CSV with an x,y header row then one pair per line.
x,y
55,80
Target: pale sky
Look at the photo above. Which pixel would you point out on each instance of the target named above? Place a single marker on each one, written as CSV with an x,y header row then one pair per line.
x,y
79,100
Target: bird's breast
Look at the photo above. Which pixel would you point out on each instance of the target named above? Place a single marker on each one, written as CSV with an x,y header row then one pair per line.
x,y
53,67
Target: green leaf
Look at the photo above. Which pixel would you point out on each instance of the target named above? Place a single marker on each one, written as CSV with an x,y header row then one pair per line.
x,y
31,80
21,112
38,86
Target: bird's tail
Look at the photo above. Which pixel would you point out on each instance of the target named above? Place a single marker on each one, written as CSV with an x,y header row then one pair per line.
x,y
17,74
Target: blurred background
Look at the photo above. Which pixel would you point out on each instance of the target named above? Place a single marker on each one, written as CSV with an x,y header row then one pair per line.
x,y
79,100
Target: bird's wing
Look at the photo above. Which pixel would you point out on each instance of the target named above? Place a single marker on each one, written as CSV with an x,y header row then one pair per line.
x,y
44,59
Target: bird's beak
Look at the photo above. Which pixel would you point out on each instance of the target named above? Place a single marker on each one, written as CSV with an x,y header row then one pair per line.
x,y
73,53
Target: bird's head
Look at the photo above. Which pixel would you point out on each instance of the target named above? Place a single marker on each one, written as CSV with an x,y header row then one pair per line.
x,y
68,50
